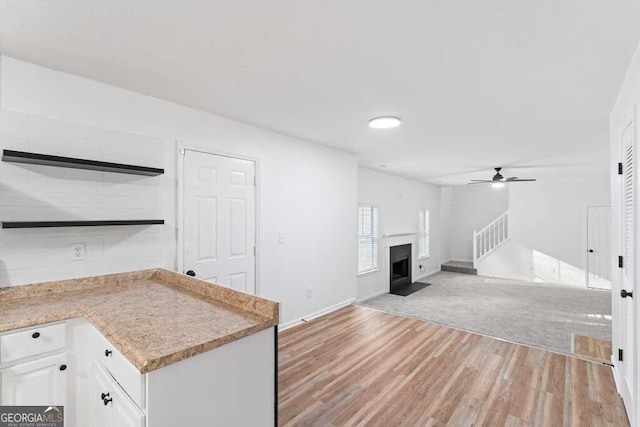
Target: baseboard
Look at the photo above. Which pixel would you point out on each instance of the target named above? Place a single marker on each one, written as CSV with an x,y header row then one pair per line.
x,y
506,277
615,375
375,294
428,273
310,316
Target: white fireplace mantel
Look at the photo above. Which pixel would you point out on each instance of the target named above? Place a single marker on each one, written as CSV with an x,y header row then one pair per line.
x,y
399,239
386,236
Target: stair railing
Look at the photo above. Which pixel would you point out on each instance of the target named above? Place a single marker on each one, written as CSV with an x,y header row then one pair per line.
x,y
490,238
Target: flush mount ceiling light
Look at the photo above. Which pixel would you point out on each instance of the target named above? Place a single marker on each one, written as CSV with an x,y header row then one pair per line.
x,y
384,122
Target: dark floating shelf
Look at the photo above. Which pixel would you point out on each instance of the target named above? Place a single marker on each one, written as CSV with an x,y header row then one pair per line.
x,y
49,224
70,162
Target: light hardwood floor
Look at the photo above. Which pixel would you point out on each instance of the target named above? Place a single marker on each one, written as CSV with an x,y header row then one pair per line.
x,y
592,348
360,366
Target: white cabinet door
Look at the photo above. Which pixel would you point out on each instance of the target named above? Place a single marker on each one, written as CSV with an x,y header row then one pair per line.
x,y
39,382
109,404
100,415
125,413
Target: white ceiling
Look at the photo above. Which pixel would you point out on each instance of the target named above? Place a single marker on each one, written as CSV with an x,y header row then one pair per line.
x,y
523,84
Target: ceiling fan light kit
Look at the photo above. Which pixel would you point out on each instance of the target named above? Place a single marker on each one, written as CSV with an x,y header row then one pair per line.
x,y
498,181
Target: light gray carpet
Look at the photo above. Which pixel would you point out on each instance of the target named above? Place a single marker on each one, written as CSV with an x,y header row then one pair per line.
x,y
534,314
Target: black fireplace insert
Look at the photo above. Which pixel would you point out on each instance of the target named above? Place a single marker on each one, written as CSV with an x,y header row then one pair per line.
x,y
400,266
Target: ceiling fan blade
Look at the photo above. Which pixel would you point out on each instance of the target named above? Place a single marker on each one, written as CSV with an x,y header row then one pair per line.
x,y
520,180
479,182
512,178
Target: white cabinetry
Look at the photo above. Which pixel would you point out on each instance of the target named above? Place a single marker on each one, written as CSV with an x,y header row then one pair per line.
x,y
39,382
110,406
72,364
34,366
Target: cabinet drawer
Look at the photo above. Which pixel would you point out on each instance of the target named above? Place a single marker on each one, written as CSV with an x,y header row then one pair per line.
x,y
32,342
123,371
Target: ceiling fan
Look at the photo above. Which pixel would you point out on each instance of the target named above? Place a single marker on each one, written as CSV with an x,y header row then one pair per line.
x,y
498,180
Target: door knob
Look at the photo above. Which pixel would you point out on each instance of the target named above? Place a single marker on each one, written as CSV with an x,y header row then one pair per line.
x,y
191,273
106,401
590,251
624,294
103,396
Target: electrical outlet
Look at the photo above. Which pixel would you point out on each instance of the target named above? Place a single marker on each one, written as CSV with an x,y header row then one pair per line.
x,y
309,292
78,252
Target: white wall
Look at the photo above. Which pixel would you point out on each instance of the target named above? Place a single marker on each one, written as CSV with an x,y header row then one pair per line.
x,y
628,97
550,215
447,229
474,207
32,193
307,192
398,200
547,226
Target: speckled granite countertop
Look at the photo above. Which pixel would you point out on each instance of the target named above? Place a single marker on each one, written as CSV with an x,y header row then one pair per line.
x,y
154,317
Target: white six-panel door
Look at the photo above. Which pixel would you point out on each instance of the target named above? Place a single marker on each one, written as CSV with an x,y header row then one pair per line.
x,y
219,219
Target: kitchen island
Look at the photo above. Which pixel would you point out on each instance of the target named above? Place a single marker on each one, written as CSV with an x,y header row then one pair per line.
x,y
150,348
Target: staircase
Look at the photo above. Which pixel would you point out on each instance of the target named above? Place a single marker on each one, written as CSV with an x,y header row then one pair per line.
x,y
464,267
490,238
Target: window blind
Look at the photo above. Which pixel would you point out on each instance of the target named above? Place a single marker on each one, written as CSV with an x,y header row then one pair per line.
x,y
367,238
423,233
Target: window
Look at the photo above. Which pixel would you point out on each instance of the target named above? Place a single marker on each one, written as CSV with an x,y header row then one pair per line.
x,y
367,239
423,233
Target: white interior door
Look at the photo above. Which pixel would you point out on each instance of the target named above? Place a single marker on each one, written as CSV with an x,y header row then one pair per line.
x,y
219,219
599,247
629,238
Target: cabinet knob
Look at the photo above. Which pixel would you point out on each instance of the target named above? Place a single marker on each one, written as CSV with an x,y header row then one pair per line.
x,y
107,353
106,401
35,335
63,367
103,396
191,273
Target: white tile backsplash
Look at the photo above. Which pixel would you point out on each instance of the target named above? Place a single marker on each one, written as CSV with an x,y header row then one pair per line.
x,y
12,123
31,193
39,124
61,145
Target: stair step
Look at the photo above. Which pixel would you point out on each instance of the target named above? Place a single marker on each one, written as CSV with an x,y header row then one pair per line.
x,y
459,267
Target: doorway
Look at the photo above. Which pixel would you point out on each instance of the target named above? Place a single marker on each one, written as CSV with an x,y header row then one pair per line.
x,y
623,297
599,247
219,219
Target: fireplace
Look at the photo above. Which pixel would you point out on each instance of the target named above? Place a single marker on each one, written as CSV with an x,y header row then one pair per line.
x,y
399,266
